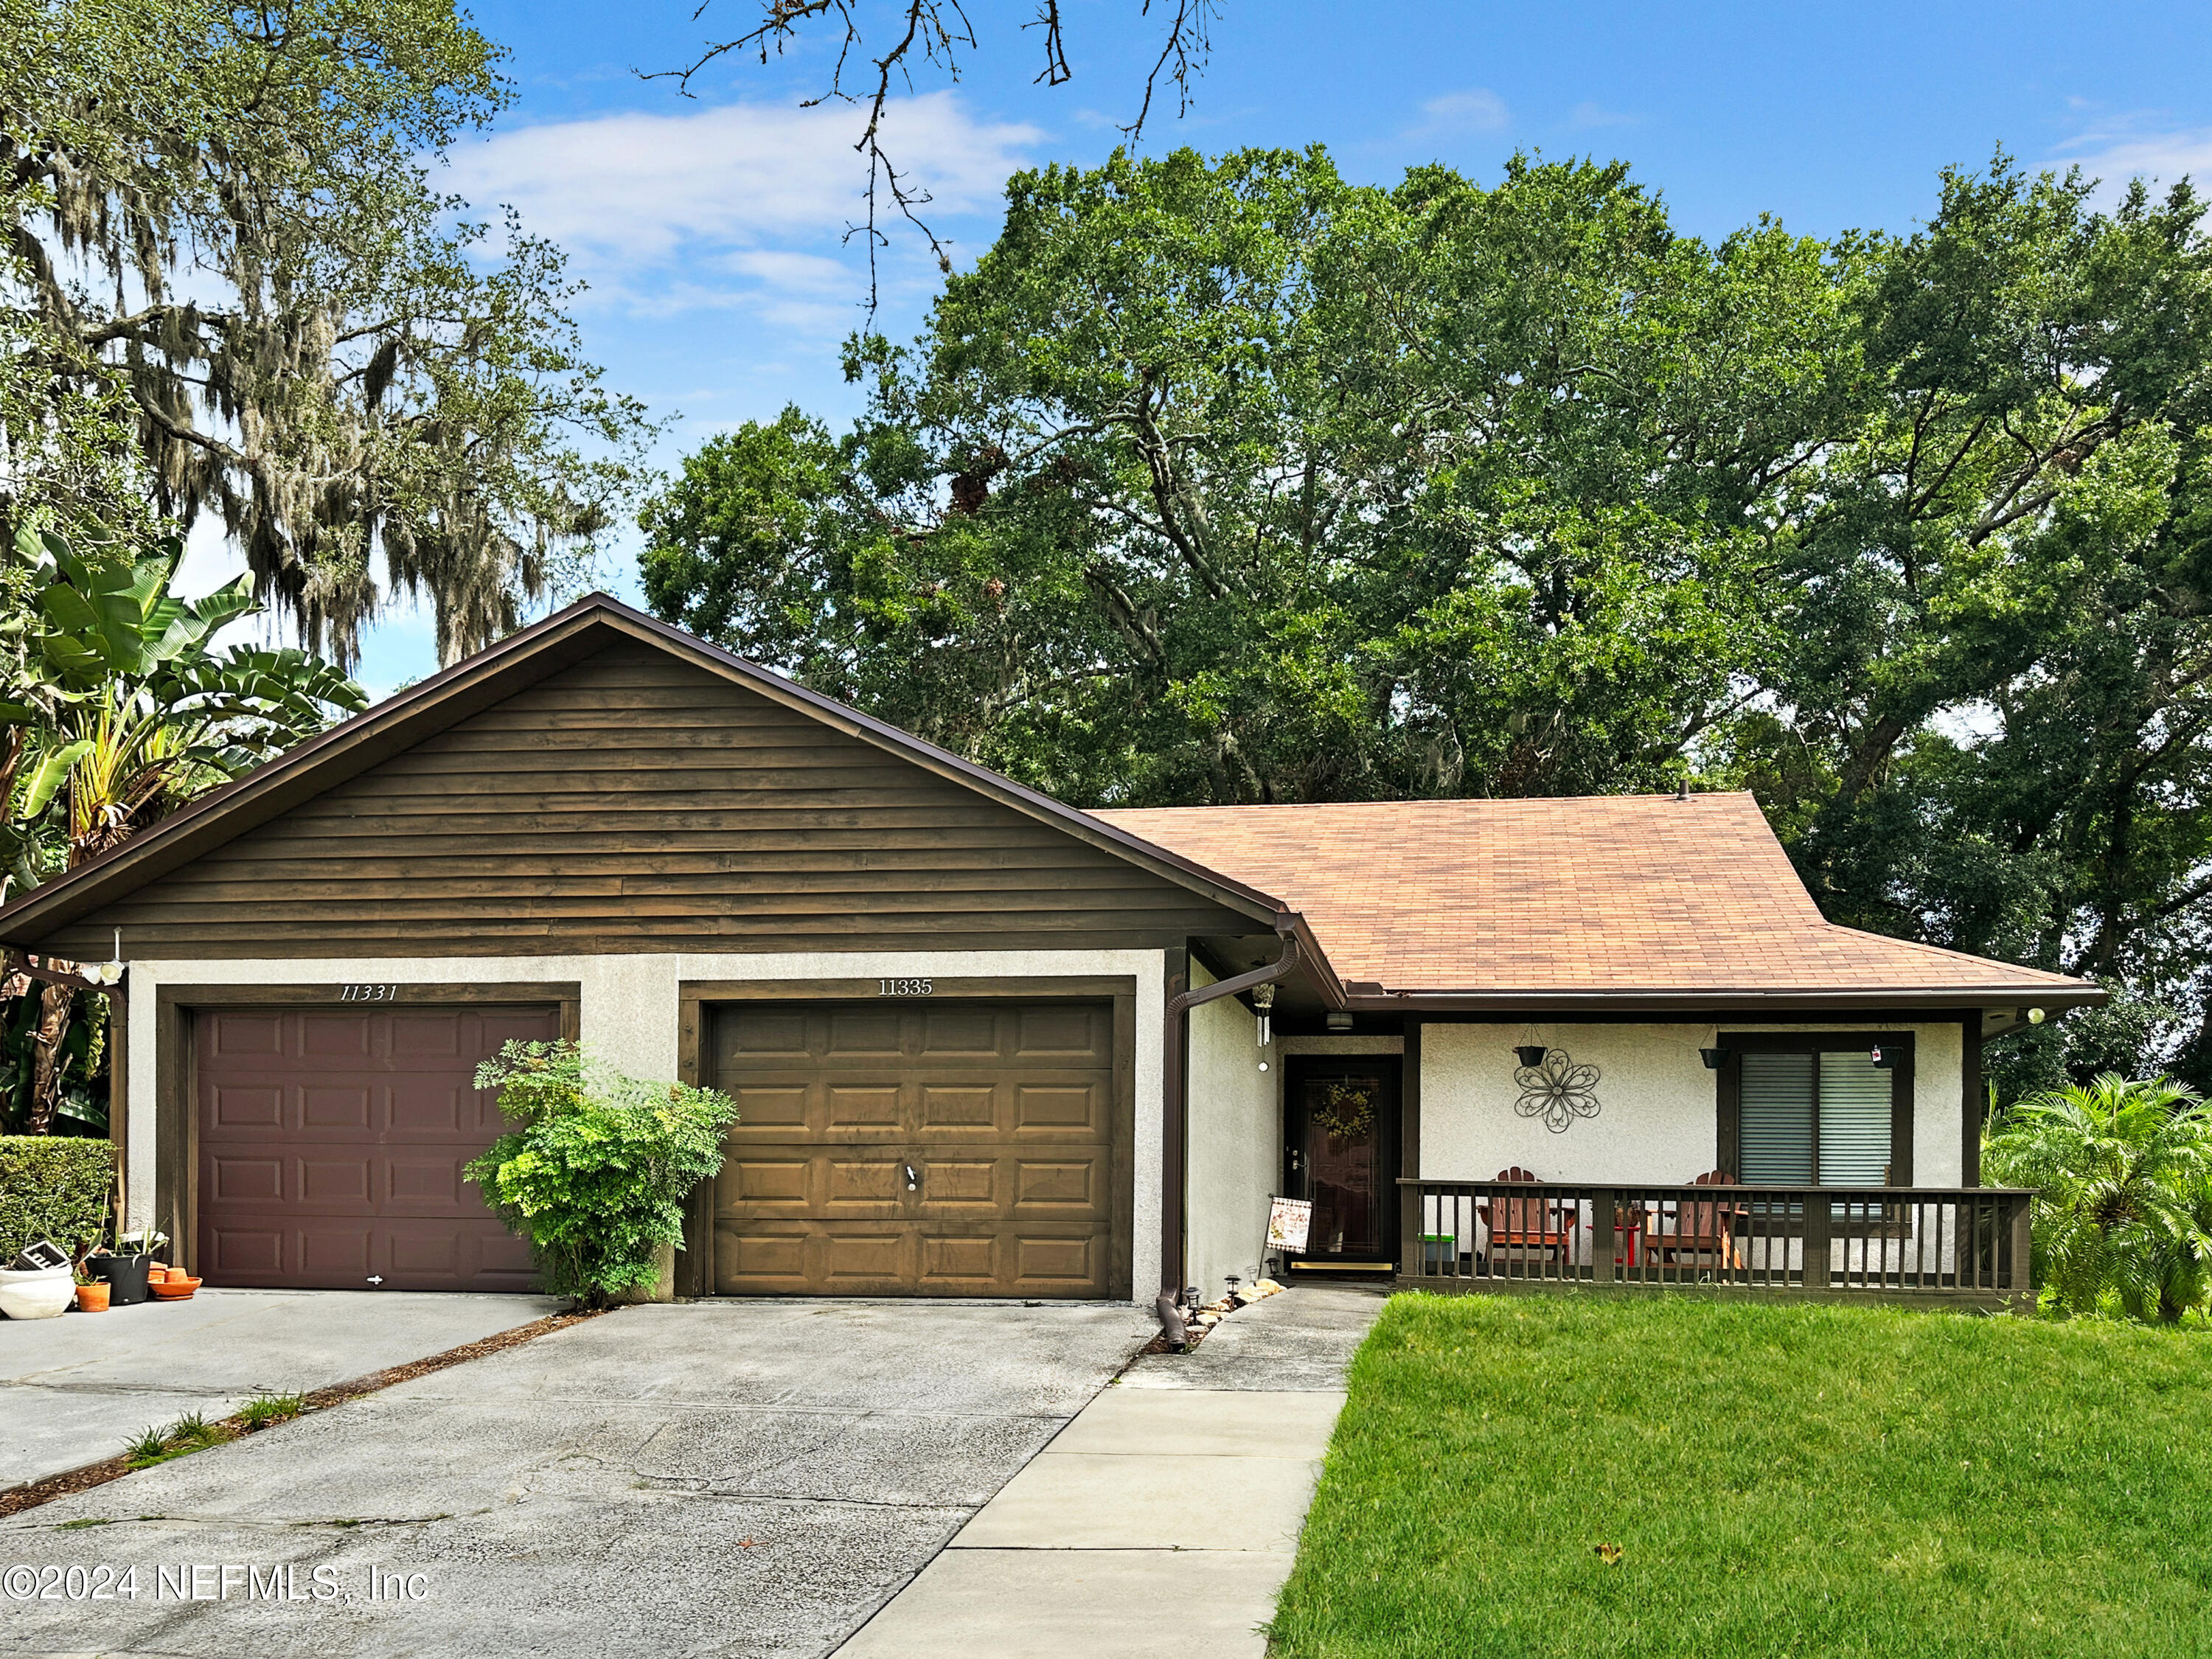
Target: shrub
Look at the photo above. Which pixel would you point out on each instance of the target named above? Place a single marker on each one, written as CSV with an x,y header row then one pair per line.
x,y
596,1174
53,1187
2122,1174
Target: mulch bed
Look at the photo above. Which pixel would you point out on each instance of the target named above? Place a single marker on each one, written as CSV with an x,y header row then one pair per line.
x,y
16,1499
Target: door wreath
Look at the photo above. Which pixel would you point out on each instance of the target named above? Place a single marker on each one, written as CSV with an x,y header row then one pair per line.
x,y
1346,1111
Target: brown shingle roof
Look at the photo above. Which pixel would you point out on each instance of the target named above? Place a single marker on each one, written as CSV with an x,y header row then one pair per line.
x,y
1594,894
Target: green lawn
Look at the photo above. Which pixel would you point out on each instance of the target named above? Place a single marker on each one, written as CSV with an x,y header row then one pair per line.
x,y
1780,1480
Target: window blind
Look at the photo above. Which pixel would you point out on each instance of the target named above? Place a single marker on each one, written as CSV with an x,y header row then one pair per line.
x,y
1854,1115
1774,1097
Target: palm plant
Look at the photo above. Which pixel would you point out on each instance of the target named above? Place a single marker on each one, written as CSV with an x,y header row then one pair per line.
x,y
2122,1171
114,712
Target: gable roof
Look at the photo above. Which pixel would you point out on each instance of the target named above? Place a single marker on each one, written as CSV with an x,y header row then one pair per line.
x,y
513,665
1602,899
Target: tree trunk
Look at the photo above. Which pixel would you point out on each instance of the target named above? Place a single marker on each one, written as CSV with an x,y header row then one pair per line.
x,y
55,1003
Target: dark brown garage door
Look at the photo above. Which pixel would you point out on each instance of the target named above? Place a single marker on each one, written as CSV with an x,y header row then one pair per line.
x,y
331,1142
942,1149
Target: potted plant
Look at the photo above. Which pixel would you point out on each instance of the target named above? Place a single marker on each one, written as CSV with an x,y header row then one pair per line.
x,y
124,1270
91,1292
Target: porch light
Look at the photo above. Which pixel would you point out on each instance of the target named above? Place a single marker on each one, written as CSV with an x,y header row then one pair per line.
x,y
1529,1053
2035,1017
110,971
1714,1058
1339,1019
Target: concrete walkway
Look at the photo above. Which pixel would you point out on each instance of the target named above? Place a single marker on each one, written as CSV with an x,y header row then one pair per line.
x,y
1163,1519
78,1388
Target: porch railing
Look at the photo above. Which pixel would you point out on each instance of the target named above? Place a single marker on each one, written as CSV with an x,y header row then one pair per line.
x,y
1967,1243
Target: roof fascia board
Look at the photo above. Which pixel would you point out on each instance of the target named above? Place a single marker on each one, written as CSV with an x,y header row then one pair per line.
x,y
2056,998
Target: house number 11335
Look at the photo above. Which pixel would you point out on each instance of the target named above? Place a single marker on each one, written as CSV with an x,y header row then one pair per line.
x,y
905,987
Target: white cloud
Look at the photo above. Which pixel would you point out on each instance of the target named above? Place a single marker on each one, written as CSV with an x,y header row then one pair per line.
x,y
1588,114
1476,110
2115,157
631,194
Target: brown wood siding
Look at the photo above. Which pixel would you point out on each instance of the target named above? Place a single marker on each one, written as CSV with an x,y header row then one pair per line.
x,y
636,802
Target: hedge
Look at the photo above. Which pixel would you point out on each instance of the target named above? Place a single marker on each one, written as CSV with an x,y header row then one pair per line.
x,y
52,1187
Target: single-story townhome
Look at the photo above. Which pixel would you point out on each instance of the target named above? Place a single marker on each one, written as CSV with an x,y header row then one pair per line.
x,y
986,1044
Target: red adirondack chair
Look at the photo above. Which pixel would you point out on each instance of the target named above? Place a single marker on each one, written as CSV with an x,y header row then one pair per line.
x,y
1699,1233
1534,1228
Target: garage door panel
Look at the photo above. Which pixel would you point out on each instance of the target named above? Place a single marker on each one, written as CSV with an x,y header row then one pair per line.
x,y
332,1145
953,1106
1006,1111
958,1034
851,1035
857,1260
251,1256
240,1037
871,1184
336,1037
334,1109
428,1107
764,1107
241,1180
870,1105
237,1107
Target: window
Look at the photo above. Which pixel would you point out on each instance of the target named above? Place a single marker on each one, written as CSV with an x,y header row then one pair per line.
x,y
1817,1110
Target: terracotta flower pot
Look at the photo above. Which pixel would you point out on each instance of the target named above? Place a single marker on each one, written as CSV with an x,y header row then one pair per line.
x,y
178,1287
92,1298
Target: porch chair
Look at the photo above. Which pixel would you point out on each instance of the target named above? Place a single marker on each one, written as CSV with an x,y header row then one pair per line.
x,y
1532,1229
1700,1233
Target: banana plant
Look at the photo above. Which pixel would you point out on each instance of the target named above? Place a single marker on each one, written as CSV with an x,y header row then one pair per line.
x,y
115,710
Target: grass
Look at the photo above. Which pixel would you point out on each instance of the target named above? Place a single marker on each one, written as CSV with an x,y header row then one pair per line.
x,y
270,1409
1584,1477
188,1434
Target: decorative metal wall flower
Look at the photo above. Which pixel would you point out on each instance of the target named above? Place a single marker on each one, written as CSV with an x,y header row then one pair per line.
x,y
1559,1090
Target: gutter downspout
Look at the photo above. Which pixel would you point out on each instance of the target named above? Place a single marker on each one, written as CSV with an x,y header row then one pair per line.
x,y
1176,1118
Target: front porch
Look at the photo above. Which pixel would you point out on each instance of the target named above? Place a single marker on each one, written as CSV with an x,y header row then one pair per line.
x,y
1962,1246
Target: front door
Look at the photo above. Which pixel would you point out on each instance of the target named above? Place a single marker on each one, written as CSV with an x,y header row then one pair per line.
x,y
1341,1127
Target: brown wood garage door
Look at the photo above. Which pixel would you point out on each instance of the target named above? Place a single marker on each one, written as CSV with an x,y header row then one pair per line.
x,y
937,1149
331,1142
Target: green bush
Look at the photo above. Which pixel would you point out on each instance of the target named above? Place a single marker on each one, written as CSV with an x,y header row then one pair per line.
x,y
53,1187
597,1174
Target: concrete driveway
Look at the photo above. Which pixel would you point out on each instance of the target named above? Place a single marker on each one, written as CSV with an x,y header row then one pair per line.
x,y
715,1478
76,1389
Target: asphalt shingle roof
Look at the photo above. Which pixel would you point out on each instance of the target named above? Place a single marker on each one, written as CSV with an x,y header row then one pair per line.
x,y
1587,894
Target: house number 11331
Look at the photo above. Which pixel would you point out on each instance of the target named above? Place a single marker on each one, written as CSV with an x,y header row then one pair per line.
x,y
905,987
367,993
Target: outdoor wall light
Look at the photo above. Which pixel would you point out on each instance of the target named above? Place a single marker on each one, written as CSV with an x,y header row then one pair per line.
x,y
1714,1058
1339,1019
2035,1017
1529,1053
110,971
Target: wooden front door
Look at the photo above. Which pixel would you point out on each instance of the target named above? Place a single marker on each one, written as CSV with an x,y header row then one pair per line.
x,y
1340,1124
910,1148
330,1143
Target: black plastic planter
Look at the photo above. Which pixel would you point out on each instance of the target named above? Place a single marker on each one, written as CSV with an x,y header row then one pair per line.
x,y
126,1276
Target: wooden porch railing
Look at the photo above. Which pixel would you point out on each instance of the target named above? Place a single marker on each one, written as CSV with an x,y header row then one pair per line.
x,y
1954,1244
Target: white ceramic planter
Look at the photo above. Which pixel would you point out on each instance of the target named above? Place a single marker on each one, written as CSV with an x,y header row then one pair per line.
x,y
39,1293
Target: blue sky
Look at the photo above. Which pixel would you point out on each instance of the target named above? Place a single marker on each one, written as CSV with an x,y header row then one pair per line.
x,y
711,229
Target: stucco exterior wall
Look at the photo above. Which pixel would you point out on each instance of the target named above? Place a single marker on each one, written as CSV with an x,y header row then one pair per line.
x,y
628,1011
1236,1146
1659,1117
